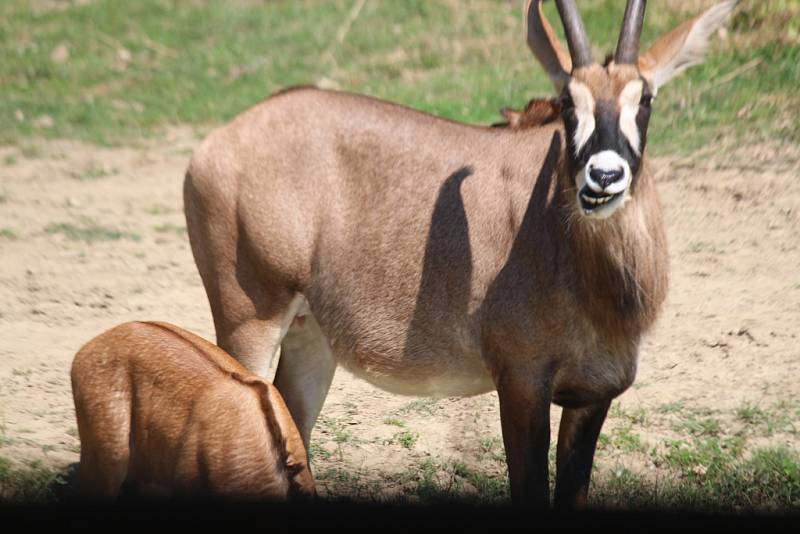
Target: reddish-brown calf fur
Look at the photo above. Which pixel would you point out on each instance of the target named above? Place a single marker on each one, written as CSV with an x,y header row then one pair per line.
x,y
174,415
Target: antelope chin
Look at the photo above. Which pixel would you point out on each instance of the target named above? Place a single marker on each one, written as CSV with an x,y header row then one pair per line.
x,y
600,205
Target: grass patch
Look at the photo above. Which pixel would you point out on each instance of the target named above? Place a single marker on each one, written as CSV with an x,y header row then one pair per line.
x,y
89,232
768,481
32,483
671,407
315,451
158,209
394,422
767,422
96,172
492,447
627,441
339,432
169,228
695,426
30,151
490,489
110,71
432,482
406,438
336,428
8,233
423,406
701,456
338,477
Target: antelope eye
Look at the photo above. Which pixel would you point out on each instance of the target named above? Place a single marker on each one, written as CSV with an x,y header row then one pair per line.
x,y
565,101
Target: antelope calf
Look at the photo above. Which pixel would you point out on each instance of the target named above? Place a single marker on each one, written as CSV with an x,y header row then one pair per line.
x,y
437,258
170,414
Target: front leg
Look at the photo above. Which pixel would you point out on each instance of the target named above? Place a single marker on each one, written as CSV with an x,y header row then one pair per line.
x,y
577,440
525,420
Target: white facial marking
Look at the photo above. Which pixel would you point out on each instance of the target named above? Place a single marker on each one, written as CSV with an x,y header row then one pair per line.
x,y
607,161
629,100
603,201
584,112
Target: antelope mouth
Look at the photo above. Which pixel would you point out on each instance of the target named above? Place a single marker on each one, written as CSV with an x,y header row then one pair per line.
x,y
593,202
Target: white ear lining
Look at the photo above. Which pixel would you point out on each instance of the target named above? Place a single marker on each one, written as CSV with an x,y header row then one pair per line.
x,y
695,44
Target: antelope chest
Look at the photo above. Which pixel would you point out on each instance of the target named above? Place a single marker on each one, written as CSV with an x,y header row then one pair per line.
x,y
593,375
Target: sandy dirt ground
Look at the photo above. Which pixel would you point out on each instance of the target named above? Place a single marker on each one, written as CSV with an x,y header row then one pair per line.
x,y
728,336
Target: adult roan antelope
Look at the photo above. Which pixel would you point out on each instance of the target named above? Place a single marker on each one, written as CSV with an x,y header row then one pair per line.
x,y
436,258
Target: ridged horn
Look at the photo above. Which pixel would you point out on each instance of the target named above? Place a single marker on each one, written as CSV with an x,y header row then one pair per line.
x,y
577,40
628,44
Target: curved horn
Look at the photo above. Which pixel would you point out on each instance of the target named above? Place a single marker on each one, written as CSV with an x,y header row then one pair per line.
x,y
628,44
578,42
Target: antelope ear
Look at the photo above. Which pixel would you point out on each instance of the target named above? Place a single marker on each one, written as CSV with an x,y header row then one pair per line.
x,y
276,411
684,46
546,47
512,116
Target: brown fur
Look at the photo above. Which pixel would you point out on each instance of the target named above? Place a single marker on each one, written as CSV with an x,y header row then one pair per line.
x,y
436,258
538,112
171,414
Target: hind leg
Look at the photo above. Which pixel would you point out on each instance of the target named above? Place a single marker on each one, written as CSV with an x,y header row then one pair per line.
x,y
250,314
305,372
254,341
250,318
105,448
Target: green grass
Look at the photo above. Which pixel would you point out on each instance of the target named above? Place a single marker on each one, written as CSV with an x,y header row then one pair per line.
x,y
492,448
637,416
406,438
767,481
701,456
422,406
89,232
431,481
32,483
30,151
490,488
133,68
339,431
671,407
627,441
767,421
158,209
8,233
315,452
695,426
394,422
169,228
95,172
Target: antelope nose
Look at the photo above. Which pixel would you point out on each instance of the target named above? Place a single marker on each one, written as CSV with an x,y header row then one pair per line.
x,y
605,178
